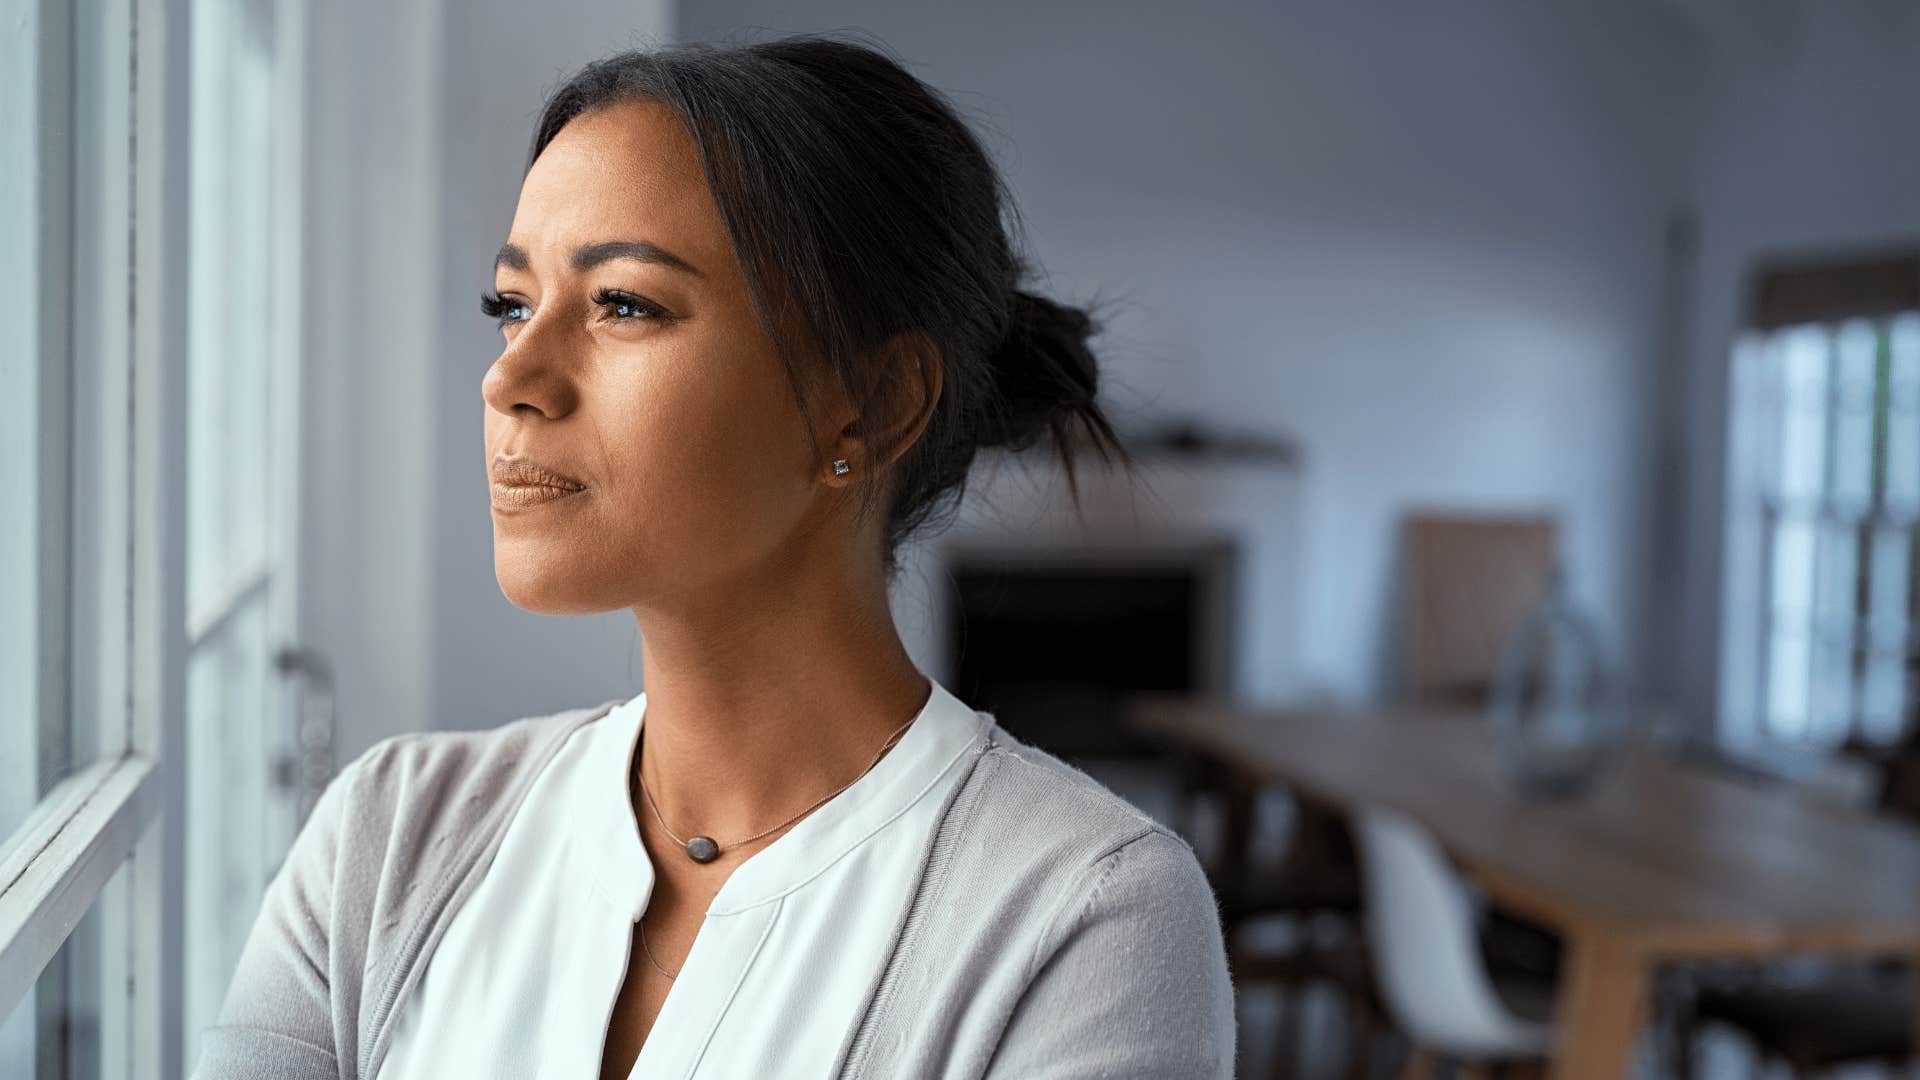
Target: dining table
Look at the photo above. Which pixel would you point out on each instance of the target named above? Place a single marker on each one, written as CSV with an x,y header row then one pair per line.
x,y
1657,861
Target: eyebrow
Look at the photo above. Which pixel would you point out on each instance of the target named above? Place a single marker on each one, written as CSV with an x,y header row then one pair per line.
x,y
588,256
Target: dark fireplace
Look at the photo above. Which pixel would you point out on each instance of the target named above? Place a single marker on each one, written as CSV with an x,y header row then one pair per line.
x,y
1053,640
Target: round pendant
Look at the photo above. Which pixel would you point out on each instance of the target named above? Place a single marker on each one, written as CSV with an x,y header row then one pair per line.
x,y
702,849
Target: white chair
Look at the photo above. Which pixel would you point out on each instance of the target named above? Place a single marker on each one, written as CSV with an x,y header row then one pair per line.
x,y
1424,941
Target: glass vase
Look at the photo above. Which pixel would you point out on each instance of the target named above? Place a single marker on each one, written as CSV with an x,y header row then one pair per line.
x,y
1554,704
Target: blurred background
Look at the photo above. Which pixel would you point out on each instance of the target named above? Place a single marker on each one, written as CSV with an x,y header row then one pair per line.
x,y
1516,605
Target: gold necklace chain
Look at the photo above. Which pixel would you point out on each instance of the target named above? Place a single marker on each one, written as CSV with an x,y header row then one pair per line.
x,y
648,949
782,825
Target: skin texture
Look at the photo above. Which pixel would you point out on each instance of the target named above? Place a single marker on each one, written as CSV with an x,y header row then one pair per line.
x,y
773,669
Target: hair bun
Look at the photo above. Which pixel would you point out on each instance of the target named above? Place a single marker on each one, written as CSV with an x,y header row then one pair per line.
x,y
1044,374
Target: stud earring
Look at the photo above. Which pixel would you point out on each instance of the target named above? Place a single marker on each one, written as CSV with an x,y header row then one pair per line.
x,y
840,467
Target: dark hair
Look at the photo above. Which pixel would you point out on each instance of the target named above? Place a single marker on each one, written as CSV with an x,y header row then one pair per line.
x,y
860,206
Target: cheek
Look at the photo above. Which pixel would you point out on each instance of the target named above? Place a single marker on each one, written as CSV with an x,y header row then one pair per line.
x,y
705,447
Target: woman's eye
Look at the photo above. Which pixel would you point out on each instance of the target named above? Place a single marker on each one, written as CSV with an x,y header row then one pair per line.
x,y
505,309
625,305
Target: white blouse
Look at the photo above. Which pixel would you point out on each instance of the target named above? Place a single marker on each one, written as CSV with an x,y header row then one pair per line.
x,y
523,983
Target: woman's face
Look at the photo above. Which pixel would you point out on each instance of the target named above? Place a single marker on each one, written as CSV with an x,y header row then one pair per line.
x,y
634,364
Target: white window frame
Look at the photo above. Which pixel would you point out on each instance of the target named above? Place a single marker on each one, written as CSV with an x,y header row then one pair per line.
x,y
113,661
1757,431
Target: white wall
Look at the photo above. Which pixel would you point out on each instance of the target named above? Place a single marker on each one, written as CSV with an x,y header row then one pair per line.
x,y
373,88
1424,239
493,662
1809,144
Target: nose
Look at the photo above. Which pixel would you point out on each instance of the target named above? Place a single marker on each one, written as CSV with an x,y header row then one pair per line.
x,y
532,373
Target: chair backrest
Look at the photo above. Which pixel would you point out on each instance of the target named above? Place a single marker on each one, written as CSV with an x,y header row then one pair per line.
x,y
1470,583
1424,938
1898,779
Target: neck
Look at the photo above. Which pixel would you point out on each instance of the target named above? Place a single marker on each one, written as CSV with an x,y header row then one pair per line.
x,y
762,704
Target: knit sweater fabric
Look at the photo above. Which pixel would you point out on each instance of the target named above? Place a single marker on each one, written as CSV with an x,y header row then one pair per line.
x,y
1056,931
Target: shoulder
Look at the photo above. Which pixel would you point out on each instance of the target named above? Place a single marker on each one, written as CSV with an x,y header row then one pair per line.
x,y
1058,847
409,817
388,836
1127,970
422,769
417,806
1061,916
1033,799
411,754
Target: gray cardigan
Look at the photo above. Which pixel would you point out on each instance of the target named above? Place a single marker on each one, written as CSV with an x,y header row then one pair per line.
x,y
1056,931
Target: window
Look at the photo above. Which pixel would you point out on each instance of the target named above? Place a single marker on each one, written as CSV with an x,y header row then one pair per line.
x,y
1823,544
90,201
151,770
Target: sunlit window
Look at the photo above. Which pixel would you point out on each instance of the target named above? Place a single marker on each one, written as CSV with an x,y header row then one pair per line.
x,y
1824,533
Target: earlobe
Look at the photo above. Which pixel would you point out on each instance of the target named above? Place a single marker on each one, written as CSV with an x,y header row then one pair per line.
x,y
840,471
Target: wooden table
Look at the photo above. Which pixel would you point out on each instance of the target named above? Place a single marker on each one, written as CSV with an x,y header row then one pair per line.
x,y
1657,862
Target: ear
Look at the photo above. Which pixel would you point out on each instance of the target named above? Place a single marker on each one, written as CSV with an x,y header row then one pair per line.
x,y
906,392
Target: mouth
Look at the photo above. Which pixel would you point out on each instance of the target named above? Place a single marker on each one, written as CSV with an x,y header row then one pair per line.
x,y
522,496
519,483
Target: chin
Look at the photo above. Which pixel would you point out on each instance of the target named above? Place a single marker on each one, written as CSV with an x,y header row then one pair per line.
x,y
533,596
543,585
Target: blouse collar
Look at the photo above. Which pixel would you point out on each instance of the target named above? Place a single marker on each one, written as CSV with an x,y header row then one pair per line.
x,y
941,733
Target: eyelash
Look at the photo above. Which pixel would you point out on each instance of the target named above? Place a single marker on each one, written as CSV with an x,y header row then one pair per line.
x,y
495,306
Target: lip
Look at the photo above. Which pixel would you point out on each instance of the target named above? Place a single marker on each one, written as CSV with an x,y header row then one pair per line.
x,y
526,472
522,496
522,482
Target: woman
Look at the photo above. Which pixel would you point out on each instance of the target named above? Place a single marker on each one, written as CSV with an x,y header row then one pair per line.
x,y
759,312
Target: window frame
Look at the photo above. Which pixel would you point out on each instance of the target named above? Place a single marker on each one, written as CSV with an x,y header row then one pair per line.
x,y
1826,294
112,667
